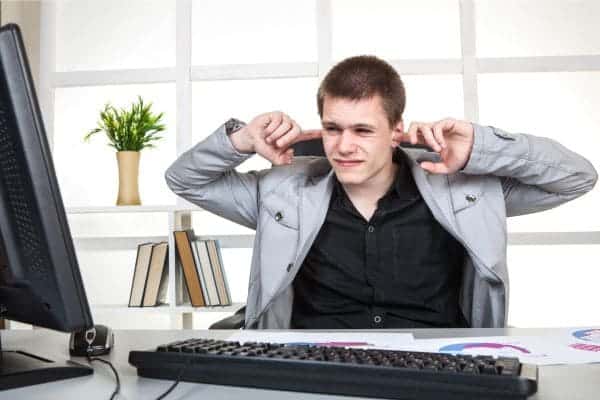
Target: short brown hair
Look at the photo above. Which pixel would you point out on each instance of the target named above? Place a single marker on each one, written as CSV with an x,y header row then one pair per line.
x,y
363,77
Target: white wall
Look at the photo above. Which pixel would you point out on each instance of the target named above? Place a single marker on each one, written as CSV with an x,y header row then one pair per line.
x,y
27,15
522,65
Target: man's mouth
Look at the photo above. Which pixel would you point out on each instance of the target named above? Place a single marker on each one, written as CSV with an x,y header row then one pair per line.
x,y
348,163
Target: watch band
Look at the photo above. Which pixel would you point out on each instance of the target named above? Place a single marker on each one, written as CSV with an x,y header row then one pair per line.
x,y
233,125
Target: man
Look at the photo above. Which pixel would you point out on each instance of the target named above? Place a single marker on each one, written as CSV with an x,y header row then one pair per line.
x,y
369,237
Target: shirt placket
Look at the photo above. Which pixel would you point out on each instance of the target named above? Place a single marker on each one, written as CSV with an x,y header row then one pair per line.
x,y
377,314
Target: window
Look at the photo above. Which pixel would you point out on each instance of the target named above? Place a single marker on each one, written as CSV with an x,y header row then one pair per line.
x,y
79,163
113,34
396,30
527,28
521,65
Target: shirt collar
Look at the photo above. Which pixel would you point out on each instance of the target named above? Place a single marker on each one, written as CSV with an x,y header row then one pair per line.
x,y
403,187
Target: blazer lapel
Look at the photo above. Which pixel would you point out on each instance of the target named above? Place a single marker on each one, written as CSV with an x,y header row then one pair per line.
x,y
436,194
314,201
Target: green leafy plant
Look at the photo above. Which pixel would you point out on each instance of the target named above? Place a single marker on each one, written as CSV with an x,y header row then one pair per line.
x,y
129,130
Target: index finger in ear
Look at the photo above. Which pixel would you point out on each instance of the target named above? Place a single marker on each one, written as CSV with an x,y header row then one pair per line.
x,y
403,137
309,135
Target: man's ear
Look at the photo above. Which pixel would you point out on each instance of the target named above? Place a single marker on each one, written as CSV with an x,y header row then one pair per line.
x,y
397,134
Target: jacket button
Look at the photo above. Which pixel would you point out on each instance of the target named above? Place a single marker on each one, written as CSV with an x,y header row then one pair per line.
x,y
470,198
290,265
278,216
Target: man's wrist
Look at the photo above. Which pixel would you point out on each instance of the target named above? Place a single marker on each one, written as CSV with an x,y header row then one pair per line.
x,y
238,135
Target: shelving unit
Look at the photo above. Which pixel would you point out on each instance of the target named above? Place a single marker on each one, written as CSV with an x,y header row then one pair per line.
x,y
179,217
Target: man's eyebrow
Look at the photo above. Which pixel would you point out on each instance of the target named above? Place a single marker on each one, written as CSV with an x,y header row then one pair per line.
x,y
355,126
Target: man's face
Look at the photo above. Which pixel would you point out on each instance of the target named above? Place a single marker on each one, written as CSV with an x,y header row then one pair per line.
x,y
358,140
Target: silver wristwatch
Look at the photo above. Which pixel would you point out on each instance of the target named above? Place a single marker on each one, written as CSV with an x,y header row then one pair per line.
x,y
233,125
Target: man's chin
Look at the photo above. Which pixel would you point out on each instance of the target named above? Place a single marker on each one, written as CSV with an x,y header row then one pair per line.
x,y
348,178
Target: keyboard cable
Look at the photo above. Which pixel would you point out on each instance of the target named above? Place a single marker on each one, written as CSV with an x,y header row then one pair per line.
x,y
89,336
177,380
118,387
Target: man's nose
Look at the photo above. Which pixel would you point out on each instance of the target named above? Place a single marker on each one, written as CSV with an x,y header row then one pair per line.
x,y
346,142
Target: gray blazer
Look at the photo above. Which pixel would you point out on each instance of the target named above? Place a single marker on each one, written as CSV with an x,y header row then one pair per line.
x,y
507,174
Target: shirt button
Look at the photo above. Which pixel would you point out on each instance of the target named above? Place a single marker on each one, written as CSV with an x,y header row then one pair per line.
x,y
371,229
471,198
377,319
278,216
290,265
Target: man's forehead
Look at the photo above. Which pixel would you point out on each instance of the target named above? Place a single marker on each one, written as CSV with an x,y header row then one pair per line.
x,y
341,111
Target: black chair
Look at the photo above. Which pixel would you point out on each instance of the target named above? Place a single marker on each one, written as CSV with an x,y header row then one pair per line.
x,y
236,321
313,147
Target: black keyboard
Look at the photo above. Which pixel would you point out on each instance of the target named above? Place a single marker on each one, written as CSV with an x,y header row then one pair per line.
x,y
337,370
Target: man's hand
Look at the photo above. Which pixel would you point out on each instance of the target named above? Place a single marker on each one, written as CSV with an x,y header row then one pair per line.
x,y
451,138
271,135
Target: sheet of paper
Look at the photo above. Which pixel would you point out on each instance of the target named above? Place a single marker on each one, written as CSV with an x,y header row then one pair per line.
x,y
366,340
567,347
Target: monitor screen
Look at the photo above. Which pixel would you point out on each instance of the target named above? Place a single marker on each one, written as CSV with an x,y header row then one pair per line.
x,y
40,282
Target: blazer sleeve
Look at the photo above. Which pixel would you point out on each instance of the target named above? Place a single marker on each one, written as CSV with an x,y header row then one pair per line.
x,y
537,173
205,175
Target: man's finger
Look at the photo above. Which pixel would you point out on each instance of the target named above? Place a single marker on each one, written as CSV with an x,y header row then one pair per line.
x,y
276,118
438,133
263,120
279,132
308,135
415,134
447,124
430,139
282,157
404,137
285,140
435,168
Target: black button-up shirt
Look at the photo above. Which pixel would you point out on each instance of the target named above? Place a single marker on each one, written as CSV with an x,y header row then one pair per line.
x,y
400,269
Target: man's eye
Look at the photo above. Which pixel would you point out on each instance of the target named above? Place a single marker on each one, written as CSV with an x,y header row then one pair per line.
x,y
363,131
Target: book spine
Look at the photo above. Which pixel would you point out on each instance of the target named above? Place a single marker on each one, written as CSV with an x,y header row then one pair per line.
x,y
155,274
220,256
207,267
133,278
190,273
161,297
199,270
140,274
212,251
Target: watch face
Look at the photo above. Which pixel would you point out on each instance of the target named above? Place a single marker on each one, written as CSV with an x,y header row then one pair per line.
x,y
233,125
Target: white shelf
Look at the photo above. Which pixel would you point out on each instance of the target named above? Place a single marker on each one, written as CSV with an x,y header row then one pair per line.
x,y
235,241
181,315
165,308
130,209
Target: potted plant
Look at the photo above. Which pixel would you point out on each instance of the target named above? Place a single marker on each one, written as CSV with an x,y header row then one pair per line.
x,y
129,132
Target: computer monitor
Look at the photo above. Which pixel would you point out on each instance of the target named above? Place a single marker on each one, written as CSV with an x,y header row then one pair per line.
x,y
40,282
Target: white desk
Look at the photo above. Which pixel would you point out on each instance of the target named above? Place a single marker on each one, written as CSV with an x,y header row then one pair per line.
x,y
578,382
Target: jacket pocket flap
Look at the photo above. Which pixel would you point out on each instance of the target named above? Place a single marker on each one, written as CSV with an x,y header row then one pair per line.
x,y
283,209
466,190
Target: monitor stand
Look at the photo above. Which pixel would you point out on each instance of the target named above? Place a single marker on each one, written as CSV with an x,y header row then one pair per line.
x,y
18,368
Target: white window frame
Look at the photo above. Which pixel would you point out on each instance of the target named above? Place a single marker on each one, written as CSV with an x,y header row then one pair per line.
x,y
184,73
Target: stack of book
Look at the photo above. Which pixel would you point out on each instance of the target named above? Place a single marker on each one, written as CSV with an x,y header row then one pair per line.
x,y
203,271
150,277
202,266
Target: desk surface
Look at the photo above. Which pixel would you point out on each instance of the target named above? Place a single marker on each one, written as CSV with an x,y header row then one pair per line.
x,y
573,382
